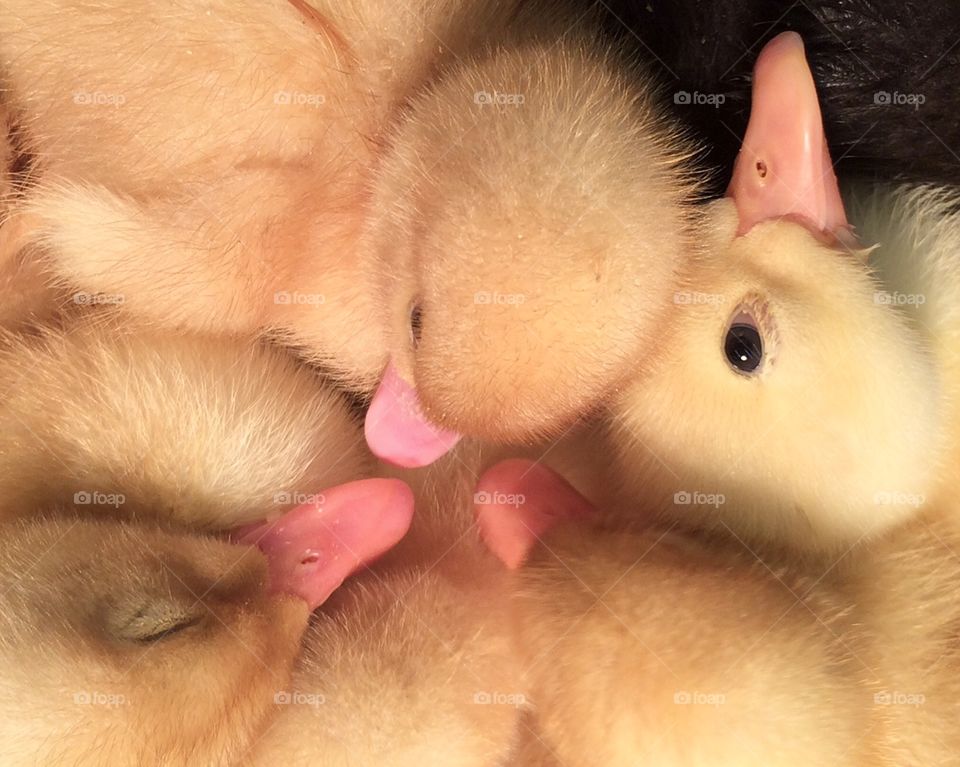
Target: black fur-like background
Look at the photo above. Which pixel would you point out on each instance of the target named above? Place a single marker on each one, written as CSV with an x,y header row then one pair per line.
x,y
859,50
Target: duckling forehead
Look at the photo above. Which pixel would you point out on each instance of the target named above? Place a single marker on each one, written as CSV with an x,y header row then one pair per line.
x,y
784,251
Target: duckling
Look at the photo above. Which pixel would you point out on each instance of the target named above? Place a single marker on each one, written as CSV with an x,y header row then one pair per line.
x,y
102,616
135,430
651,644
448,202
128,644
793,405
125,643
413,659
189,175
526,285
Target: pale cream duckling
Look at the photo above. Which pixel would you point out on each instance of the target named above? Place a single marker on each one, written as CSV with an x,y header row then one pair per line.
x,y
126,644
647,646
531,261
788,403
208,163
455,186
650,646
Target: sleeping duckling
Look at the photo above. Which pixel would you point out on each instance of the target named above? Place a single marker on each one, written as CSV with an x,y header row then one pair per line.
x,y
127,644
124,643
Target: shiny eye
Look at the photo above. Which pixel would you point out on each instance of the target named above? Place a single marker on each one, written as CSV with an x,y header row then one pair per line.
x,y
743,345
416,324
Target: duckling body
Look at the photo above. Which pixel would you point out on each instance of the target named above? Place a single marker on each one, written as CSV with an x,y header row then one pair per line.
x,y
681,649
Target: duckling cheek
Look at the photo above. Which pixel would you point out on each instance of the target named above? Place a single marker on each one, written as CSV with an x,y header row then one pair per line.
x,y
396,428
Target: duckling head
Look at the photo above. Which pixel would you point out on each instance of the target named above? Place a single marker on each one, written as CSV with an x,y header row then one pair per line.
x,y
126,643
788,400
534,217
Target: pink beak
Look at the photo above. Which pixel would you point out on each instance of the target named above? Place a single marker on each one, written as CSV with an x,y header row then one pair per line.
x,y
314,547
784,168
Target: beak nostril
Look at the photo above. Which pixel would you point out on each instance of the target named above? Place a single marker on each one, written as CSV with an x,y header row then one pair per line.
x,y
311,558
761,169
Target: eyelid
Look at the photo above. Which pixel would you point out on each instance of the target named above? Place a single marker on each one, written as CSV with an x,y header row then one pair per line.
x,y
743,318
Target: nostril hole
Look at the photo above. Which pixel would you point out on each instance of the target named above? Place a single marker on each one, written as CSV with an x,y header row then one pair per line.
x,y
311,558
761,169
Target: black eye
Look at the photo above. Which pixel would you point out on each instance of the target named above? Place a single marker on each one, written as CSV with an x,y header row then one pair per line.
x,y
743,344
416,320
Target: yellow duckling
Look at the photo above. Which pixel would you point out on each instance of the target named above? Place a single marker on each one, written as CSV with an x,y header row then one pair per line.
x,y
790,401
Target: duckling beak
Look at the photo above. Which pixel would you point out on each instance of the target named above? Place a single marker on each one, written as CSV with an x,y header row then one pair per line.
x,y
315,547
396,428
518,501
784,168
